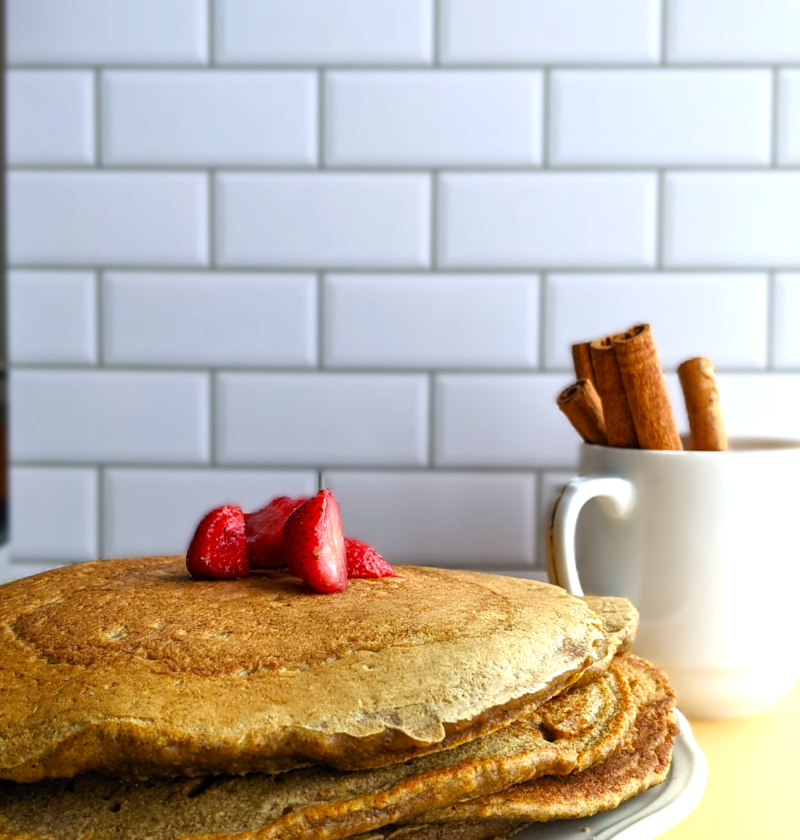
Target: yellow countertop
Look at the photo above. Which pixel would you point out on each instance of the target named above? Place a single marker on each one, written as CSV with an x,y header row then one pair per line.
x,y
753,786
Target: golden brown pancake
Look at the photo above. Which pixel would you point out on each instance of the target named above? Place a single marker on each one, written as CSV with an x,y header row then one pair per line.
x,y
642,762
319,803
135,669
475,830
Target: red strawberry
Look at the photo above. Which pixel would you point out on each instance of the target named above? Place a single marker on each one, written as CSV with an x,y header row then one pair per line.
x,y
219,546
313,543
265,532
364,562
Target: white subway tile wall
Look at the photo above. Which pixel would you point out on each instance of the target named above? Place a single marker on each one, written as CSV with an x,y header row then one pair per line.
x,y
263,246
317,419
553,219
726,319
431,320
660,117
107,218
433,118
210,320
52,317
60,129
196,117
168,500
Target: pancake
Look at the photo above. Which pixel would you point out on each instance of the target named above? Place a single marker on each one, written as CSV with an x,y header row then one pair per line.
x,y
642,762
135,669
475,830
580,728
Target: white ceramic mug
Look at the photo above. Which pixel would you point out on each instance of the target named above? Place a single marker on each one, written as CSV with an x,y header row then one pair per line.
x,y
705,544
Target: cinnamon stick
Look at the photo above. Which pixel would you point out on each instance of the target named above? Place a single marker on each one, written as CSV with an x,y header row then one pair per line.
x,y
646,389
616,411
581,404
582,359
706,424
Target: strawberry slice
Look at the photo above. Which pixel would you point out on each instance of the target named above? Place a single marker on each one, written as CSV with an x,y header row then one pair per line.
x,y
364,562
219,546
313,543
264,530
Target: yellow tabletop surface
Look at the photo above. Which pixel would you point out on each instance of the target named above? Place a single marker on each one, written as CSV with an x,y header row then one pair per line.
x,y
753,786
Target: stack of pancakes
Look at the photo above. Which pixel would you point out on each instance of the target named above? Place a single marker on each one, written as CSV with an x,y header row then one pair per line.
x,y
138,703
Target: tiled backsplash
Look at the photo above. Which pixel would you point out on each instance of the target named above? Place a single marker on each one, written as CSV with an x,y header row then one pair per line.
x,y
259,245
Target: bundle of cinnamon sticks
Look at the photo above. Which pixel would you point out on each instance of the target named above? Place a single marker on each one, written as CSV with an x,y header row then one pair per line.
x,y
621,399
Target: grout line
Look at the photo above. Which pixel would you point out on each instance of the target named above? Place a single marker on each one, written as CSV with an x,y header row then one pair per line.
x,y
210,19
212,218
212,419
432,421
320,332
99,319
771,319
250,467
436,33
664,32
660,219
542,320
433,232
398,170
100,475
178,466
415,271
775,122
547,81
321,95
98,119
415,67
350,370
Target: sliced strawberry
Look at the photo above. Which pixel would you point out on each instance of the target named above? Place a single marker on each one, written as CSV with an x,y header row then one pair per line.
x,y
364,562
219,546
313,543
265,532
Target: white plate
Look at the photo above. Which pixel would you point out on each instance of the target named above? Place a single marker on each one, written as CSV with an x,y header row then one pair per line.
x,y
647,815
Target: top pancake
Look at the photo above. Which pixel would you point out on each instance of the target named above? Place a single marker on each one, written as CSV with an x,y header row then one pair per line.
x,y
131,667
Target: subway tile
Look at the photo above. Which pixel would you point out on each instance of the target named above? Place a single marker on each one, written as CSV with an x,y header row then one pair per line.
x,y
210,319
534,574
109,416
210,117
502,420
323,220
640,117
455,118
789,117
760,405
53,514
429,320
541,31
116,218
728,31
172,503
324,31
322,419
49,117
547,219
16,571
52,317
456,520
785,318
87,32
721,316
736,219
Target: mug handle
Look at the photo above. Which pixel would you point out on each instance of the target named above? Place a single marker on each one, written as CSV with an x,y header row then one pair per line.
x,y
617,496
